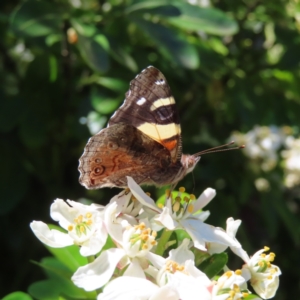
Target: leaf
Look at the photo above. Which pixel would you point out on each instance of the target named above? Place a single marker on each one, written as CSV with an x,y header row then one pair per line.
x,y
94,51
214,264
36,18
172,46
58,284
17,296
147,5
209,20
102,103
69,256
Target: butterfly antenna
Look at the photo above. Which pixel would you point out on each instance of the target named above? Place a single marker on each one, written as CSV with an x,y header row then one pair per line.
x,y
219,149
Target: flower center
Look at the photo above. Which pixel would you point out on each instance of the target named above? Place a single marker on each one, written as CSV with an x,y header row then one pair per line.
x,y
172,267
82,223
182,202
144,235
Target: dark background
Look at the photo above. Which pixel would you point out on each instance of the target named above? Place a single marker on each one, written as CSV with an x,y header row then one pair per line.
x,y
65,64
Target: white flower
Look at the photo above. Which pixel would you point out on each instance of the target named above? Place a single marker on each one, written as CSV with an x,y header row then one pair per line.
x,y
264,276
133,288
231,285
84,225
133,252
176,215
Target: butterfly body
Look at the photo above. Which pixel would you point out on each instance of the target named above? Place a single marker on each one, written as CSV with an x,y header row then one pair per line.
x,y
142,140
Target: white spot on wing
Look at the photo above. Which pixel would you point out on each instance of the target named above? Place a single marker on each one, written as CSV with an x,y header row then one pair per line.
x,y
160,82
141,101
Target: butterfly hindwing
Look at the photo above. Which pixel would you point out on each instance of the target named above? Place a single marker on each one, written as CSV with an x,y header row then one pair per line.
x,y
150,107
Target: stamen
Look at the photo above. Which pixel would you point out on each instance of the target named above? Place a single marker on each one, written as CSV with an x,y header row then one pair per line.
x,y
181,189
192,197
266,248
238,272
176,206
190,208
70,227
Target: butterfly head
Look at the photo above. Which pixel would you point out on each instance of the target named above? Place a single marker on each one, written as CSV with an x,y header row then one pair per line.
x,y
189,162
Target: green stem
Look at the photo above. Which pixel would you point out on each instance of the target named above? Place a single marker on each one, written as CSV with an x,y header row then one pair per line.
x,y
160,249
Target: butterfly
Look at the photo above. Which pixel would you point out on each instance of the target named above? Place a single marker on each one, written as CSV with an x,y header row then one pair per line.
x,y
142,140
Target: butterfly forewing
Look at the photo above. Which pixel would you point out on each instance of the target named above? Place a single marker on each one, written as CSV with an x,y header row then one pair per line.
x,y
150,107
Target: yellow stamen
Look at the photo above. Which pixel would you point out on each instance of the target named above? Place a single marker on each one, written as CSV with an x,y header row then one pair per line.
x,y
228,274
176,206
70,227
181,189
190,208
160,205
266,248
88,215
168,193
192,197
238,272
82,229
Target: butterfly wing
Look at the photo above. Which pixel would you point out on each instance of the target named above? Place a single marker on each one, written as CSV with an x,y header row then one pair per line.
x,y
150,107
122,150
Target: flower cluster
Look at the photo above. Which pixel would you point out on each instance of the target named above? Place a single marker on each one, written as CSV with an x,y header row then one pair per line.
x,y
267,146
139,250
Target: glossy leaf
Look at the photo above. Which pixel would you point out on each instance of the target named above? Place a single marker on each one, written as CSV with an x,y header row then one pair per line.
x,y
173,47
213,265
36,18
17,296
209,20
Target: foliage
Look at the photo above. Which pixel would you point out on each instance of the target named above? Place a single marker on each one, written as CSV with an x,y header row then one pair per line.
x,y
67,64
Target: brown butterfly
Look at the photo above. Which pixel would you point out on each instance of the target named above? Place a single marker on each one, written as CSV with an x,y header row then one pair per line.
x,y
142,140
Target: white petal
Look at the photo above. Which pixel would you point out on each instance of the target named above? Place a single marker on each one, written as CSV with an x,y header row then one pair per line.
x,y
129,288
182,253
99,272
201,233
60,211
53,237
134,269
140,195
166,292
94,245
204,199
166,219
266,288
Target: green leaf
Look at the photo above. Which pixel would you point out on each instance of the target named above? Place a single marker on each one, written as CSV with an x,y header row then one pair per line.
x,y
17,296
209,20
171,45
94,51
147,5
113,84
36,18
69,256
58,284
214,264
102,103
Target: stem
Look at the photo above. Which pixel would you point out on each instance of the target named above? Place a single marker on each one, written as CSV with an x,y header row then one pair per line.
x,y
160,249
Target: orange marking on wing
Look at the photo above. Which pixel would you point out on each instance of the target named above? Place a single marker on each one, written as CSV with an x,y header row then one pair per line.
x,y
170,145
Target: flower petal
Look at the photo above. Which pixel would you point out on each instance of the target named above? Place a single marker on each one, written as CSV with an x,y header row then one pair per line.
x,y
140,195
129,288
204,199
50,237
99,272
201,233
166,219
